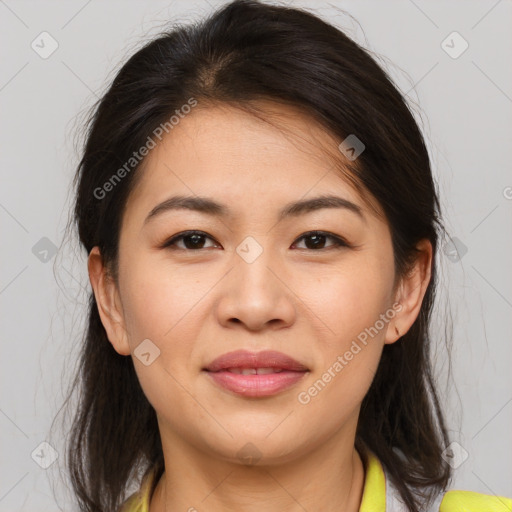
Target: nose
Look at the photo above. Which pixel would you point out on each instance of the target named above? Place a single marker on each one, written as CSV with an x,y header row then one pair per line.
x,y
257,293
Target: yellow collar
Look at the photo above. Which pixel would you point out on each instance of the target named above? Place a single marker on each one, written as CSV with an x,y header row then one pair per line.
x,y
374,490
374,494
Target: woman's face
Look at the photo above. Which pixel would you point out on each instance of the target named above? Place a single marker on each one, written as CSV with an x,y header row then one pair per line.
x,y
252,280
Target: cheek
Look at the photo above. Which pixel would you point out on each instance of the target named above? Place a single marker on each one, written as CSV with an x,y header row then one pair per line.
x,y
351,306
349,300
337,392
351,303
163,308
158,302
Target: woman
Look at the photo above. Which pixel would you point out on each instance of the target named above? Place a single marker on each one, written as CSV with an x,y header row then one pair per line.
x,y
261,221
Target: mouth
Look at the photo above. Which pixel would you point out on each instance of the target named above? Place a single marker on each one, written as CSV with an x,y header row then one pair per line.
x,y
257,374
253,371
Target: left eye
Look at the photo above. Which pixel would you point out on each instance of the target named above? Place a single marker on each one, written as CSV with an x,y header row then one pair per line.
x,y
194,240
318,239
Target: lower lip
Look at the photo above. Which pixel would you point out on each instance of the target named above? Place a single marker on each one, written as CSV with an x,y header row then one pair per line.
x,y
256,385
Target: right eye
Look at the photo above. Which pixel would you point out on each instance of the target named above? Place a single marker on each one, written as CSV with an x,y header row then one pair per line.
x,y
193,240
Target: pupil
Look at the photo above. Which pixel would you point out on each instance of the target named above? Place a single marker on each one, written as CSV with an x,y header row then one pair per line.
x,y
318,238
194,244
193,241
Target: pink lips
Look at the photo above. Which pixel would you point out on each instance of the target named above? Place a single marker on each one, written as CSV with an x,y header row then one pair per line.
x,y
255,374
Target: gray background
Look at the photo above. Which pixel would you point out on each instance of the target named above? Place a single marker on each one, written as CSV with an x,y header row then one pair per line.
x,y
463,105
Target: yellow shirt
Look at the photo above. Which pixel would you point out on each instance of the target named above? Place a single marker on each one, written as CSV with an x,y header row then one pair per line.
x,y
378,496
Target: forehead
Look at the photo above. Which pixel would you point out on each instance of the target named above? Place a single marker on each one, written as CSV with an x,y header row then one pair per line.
x,y
239,157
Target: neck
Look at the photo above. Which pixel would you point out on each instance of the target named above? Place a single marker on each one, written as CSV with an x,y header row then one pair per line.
x,y
330,479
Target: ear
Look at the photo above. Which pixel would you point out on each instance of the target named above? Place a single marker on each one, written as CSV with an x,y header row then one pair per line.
x,y
410,293
109,302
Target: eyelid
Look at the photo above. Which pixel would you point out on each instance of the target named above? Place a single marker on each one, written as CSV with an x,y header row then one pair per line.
x,y
338,241
178,236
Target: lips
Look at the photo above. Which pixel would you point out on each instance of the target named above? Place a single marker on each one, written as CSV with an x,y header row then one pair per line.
x,y
254,371
259,374
268,361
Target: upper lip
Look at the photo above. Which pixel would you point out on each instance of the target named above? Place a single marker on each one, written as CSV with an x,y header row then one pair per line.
x,y
246,359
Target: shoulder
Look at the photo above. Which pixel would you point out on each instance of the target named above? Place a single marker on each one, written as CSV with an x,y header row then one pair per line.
x,y
467,501
381,495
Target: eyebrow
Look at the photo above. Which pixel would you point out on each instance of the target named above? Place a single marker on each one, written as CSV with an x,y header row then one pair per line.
x,y
211,207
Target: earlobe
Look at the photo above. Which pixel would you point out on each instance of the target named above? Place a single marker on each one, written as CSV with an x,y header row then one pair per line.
x,y
107,300
411,292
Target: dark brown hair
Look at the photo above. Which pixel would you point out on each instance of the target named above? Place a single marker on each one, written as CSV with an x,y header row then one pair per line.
x,y
244,52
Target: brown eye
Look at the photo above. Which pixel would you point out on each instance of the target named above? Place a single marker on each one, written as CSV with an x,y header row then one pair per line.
x,y
316,240
195,240
192,240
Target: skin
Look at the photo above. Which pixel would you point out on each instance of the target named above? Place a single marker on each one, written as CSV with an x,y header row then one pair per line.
x,y
310,303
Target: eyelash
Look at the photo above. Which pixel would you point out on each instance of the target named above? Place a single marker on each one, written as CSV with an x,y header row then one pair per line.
x,y
338,241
